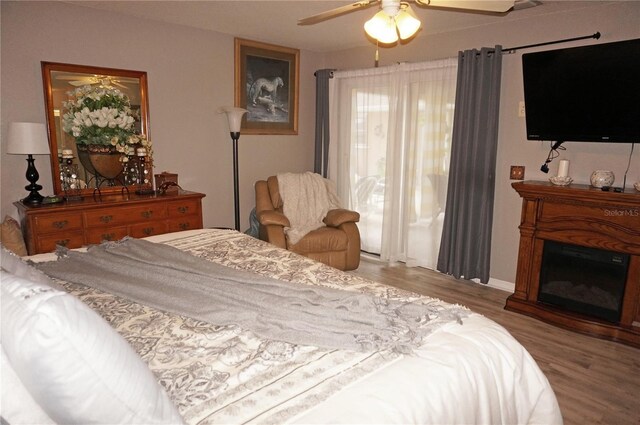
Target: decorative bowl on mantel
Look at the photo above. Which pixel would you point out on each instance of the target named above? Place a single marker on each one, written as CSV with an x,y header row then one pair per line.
x,y
561,181
602,178
636,186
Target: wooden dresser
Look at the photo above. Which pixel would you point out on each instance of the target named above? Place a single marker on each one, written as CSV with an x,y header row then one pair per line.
x,y
91,221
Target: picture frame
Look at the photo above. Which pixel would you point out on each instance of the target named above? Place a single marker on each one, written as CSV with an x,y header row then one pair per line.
x,y
266,85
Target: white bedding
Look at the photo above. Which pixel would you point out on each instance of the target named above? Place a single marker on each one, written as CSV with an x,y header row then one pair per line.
x,y
473,372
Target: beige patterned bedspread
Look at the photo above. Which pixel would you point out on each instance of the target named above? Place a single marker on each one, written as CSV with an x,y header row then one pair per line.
x,y
224,374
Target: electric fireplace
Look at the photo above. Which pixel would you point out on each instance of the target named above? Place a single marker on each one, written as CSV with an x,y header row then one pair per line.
x,y
579,259
583,280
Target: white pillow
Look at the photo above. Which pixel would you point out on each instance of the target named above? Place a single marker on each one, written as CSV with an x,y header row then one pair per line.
x,y
14,264
74,365
18,407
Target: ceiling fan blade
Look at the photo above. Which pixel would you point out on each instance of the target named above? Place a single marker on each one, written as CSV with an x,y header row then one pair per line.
x,y
128,80
79,83
336,12
499,6
73,77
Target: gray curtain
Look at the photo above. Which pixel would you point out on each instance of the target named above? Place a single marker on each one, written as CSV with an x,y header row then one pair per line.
x,y
465,249
322,121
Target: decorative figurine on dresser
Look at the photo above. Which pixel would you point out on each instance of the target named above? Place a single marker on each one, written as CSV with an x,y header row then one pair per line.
x,y
104,168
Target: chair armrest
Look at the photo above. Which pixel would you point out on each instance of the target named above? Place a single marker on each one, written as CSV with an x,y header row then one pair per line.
x,y
274,217
337,217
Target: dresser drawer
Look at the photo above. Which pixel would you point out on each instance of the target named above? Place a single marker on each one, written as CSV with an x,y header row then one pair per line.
x,y
60,222
48,243
120,216
183,208
185,223
97,235
143,230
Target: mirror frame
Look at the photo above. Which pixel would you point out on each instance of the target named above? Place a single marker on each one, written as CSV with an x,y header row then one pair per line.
x,y
47,69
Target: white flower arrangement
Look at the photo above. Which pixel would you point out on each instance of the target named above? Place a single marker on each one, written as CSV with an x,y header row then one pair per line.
x,y
98,115
130,145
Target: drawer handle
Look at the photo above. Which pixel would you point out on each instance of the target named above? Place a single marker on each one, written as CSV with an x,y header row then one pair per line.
x,y
106,218
147,214
108,236
60,224
184,226
183,210
63,242
148,231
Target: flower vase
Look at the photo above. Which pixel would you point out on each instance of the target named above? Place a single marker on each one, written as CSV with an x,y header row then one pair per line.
x,y
105,160
83,157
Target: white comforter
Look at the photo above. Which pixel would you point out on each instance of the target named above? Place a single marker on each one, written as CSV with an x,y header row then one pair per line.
x,y
470,374
473,372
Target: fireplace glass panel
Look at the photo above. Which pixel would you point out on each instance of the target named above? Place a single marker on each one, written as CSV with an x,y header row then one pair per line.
x,y
583,280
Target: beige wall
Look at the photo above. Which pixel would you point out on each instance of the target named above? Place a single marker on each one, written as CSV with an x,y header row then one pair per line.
x,y
190,76
614,20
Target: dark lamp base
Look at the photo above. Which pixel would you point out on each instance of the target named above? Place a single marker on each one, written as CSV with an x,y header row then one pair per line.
x,y
32,175
34,198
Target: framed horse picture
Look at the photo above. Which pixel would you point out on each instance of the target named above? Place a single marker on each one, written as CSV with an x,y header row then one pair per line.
x,y
266,85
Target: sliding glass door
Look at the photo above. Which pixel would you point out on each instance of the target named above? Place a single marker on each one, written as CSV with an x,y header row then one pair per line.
x,y
393,132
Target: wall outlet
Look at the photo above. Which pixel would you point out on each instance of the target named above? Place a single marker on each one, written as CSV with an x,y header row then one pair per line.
x,y
521,109
517,172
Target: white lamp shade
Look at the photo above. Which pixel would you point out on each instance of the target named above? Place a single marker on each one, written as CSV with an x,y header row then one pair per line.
x,y
382,28
27,138
407,24
234,115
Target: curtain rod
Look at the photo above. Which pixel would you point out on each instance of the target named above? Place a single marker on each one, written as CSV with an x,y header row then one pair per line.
x,y
510,50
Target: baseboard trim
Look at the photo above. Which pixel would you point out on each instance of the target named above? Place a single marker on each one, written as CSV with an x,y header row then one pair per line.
x,y
502,285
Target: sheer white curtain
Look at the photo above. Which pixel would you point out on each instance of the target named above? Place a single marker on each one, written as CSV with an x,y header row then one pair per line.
x,y
391,133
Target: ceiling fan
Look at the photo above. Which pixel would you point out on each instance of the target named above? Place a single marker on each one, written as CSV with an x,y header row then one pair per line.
x,y
103,80
498,6
396,18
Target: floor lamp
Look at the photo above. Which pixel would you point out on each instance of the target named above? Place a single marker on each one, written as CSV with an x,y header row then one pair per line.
x,y
234,115
29,138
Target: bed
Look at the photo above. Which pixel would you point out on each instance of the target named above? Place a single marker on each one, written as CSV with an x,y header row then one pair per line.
x,y
466,369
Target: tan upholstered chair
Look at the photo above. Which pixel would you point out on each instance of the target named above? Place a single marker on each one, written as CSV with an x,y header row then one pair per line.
x,y
337,244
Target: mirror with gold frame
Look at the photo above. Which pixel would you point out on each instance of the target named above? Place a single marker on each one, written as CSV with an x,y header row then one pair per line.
x,y
63,81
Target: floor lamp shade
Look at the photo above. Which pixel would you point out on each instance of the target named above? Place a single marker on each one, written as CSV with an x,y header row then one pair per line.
x,y
234,116
29,138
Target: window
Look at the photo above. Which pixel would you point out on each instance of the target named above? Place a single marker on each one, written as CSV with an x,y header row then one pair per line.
x,y
392,127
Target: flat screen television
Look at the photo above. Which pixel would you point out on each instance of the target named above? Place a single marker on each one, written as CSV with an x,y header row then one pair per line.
x,y
588,94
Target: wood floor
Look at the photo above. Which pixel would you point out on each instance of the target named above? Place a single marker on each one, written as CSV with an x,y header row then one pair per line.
x,y
595,381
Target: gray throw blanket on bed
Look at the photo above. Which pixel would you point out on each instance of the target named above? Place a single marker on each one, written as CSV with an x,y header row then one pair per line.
x,y
172,280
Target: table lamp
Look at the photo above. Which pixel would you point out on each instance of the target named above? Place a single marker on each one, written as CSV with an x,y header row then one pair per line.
x,y
29,138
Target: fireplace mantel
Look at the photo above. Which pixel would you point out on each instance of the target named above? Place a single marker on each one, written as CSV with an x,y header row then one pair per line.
x,y
584,216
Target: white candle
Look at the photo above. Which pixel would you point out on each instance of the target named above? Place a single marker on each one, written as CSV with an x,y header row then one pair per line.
x,y
563,168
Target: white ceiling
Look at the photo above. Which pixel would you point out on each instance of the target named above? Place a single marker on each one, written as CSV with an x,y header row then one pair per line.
x,y
276,21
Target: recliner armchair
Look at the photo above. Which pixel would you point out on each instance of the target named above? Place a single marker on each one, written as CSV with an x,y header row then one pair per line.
x,y
337,244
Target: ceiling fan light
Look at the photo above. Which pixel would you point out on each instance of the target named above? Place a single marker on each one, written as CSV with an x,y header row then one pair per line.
x,y
407,24
382,28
